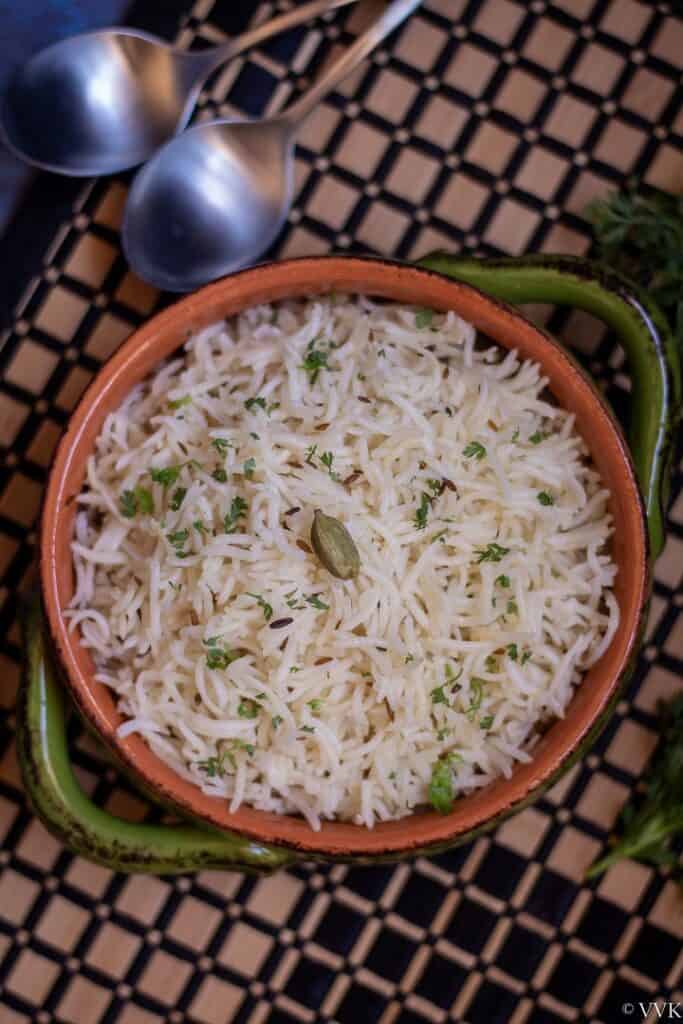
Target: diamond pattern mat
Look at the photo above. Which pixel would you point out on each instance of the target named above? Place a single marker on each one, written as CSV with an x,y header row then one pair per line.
x,y
485,125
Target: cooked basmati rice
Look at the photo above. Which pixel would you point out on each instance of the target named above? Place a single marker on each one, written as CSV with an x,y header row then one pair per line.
x,y
484,589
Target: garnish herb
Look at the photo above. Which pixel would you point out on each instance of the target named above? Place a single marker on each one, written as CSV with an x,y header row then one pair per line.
x,y
477,687
451,677
537,437
220,475
221,444
512,608
315,360
177,540
491,553
491,663
250,403
178,403
422,511
263,604
642,236
647,831
486,722
248,708
238,510
218,657
199,526
138,500
293,602
526,657
327,458
165,477
512,652
515,436
408,658
474,450
178,498
215,766
310,454
545,498
438,695
249,468
314,600
307,728
502,581
423,318
441,793
315,706
276,721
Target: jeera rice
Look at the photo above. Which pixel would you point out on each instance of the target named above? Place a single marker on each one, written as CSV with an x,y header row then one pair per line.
x,y
484,585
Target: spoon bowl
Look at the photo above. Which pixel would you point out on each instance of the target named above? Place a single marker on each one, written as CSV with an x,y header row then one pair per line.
x,y
214,199
104,101
209,201
115,97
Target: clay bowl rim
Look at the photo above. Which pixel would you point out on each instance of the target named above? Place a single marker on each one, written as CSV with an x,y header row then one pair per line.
x,y
164,333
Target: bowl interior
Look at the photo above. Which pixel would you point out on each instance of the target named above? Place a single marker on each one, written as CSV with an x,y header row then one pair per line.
x,y
296,278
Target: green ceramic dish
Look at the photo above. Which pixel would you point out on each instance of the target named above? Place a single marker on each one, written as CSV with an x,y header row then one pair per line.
x,y
655,412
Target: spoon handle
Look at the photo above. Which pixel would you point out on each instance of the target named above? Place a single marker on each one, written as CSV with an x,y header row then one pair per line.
x,y
252,37
397,12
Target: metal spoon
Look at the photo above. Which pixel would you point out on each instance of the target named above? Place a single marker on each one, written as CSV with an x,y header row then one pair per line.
x,y
213,199
105,101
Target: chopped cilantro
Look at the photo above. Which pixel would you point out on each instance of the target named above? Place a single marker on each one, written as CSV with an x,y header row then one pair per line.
x,y
477,688
491,663
221,444
423,318
438,695
218,657
441,792
248,468
512,608
166,477
178,538
474,450
537,437
491,553
267,608
248,708
526,657
178,498
138,500
128,504
314,705
486,722
310,454
422,511
238,510
515,435
327,458
315,360
512,652
307,728
178,403
503,581
545,498
314,600
220,475
276,721
252,402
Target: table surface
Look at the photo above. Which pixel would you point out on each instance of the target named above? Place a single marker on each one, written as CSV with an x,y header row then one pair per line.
x,y
485,125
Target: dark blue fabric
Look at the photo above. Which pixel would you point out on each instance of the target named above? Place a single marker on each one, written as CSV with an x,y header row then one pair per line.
x,y
24,29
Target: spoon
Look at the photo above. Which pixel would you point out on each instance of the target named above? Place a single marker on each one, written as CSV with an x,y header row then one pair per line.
x,y
213,199
104,101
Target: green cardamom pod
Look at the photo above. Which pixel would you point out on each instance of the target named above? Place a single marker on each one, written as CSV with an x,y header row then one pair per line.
x,y
334,546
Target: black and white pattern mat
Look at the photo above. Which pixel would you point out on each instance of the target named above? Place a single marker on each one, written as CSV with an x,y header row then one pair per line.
x,y
484,125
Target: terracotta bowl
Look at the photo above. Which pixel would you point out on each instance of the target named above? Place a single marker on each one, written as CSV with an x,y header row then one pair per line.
x,y
157,340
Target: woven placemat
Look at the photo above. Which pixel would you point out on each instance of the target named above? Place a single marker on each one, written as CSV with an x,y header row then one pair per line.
x,y
485,125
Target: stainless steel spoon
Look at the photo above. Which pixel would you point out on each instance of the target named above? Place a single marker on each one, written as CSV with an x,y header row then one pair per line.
x,y
104,101
213,199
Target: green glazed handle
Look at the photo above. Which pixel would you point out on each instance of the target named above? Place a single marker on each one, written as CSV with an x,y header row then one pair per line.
x,y
642,330
68,813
